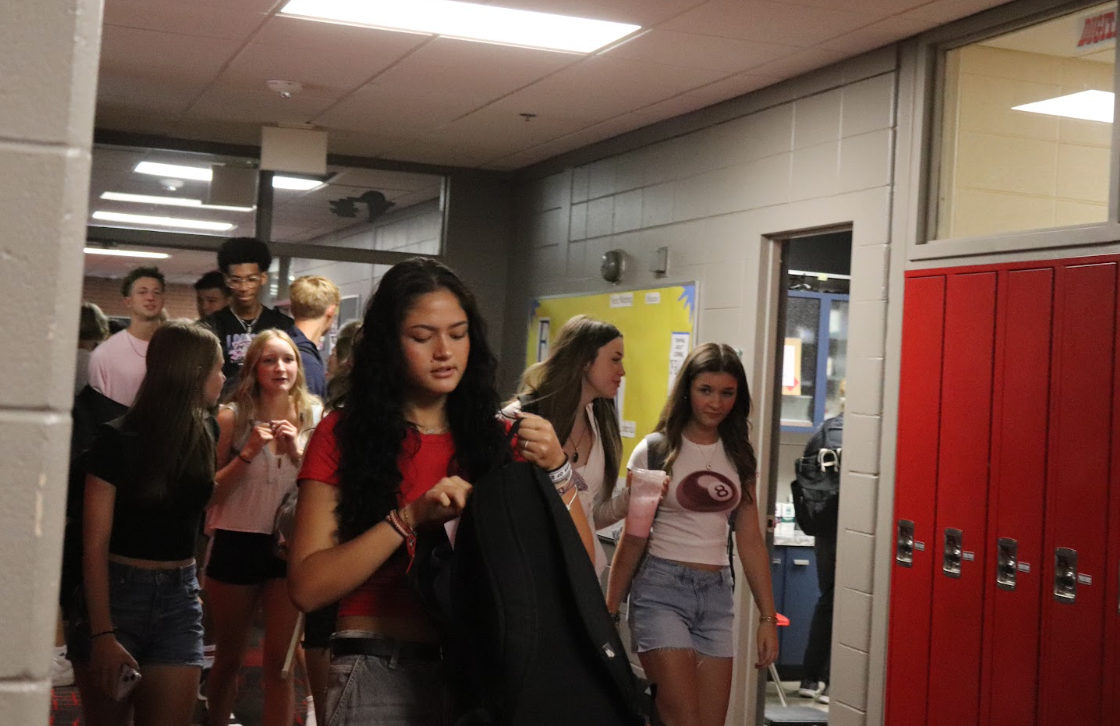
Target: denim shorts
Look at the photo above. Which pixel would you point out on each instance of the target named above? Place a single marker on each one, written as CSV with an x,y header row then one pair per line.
x,y
364,689
674,606
156,613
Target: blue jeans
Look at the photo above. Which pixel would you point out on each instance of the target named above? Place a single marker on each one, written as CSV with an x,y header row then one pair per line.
x,y
156,613
364,689
674,606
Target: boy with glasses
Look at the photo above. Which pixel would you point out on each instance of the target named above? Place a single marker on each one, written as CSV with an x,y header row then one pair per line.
x,y
244,261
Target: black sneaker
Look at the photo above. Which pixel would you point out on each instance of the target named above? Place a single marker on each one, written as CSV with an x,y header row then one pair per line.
x,y
809,688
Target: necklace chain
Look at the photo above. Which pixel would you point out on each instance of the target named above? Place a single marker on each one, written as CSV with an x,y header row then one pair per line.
x,y
575,449
707,459
132,345
247,326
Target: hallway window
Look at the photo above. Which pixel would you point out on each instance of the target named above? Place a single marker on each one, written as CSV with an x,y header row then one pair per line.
x,y
1026,128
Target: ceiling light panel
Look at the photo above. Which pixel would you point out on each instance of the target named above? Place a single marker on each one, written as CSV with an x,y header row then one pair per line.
x,y
168,201
468,21
147,220
126,253
1086,105
203,173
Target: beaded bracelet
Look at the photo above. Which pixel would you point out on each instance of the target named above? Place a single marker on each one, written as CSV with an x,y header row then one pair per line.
x,y
769,619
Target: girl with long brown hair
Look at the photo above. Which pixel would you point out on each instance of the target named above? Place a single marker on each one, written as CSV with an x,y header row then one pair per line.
x,y
574,389
263,432
150,475
681,607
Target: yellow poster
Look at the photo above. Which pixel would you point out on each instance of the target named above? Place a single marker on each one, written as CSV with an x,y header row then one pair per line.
x,y
658,326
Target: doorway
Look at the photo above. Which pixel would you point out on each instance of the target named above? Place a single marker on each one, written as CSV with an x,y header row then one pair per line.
x,y
811,361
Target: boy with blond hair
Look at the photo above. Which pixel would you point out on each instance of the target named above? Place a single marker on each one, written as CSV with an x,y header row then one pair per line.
x,y
314,304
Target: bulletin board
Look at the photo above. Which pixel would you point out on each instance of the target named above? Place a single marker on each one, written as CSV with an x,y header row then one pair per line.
x,y
658,326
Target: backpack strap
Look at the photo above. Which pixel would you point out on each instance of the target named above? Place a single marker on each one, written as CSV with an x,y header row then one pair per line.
x,y
655,451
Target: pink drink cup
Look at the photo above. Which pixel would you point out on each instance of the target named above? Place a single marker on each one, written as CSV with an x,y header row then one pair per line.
x,y
646,486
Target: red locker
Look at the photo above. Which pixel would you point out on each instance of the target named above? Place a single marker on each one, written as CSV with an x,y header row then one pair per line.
x,y
1111,705
962,493
915,488
1077,496
1017,490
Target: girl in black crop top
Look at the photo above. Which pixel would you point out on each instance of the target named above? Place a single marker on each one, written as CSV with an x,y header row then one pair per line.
x,y
151,474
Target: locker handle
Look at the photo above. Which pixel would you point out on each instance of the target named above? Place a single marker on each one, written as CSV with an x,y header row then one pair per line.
x,y
1065,575
904,550
951,553
776,561
801,563
1007,561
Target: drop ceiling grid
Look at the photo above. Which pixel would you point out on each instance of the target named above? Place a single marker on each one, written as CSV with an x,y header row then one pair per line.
x,y
197,70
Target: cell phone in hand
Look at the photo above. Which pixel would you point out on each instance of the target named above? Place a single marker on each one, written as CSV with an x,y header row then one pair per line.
x,y
128,680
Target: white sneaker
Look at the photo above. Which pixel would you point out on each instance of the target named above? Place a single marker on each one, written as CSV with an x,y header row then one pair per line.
x,y
62,671
809,689
309,719
823,698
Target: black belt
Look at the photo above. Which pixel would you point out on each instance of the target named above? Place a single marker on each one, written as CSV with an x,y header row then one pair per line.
x,y
387,648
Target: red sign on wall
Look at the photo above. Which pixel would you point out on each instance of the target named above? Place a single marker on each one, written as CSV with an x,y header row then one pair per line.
x,y
1097,29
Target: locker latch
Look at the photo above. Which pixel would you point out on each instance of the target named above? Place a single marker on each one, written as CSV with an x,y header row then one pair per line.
x,y
1007,563
1065,575
951,555
904,550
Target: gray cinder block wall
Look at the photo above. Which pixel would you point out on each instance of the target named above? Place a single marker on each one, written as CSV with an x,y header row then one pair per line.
x,y
48,77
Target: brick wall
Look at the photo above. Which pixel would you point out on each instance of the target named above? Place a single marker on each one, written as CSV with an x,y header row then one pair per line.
x,y
178,299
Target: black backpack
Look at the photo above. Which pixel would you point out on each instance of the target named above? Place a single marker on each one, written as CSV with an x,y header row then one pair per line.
x,y
526,634
816,491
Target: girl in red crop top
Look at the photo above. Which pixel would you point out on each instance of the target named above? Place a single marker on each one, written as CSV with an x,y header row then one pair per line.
x,y
681,606
417,425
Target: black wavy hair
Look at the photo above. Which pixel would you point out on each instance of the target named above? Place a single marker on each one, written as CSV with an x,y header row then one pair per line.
x,y
243,251
372,430
213,280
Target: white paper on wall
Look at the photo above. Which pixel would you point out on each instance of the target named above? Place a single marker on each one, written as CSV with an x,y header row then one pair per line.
x,y
622,300
678,351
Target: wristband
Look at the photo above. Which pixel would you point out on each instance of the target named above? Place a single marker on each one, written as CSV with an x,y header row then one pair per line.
x,y
241,456
616,618
769,619
561,473
103,632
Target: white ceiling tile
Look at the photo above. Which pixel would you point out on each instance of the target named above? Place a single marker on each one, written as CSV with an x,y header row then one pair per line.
x,y
480,71
436,151
699,51
646,13
874,36
210,18
800,62
592,134
393,112
358,143
882,8
169,98
116,116
766,21
323,74
944,11
721,90
256,107
157,57
602,88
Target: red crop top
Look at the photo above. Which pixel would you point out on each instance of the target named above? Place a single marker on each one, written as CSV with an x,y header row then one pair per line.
x,y
386,592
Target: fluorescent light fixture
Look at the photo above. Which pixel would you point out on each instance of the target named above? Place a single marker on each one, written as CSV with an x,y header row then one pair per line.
x,y
203,173
162,221
468,21
170,201
299,184
177,171
126,253
1086,105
